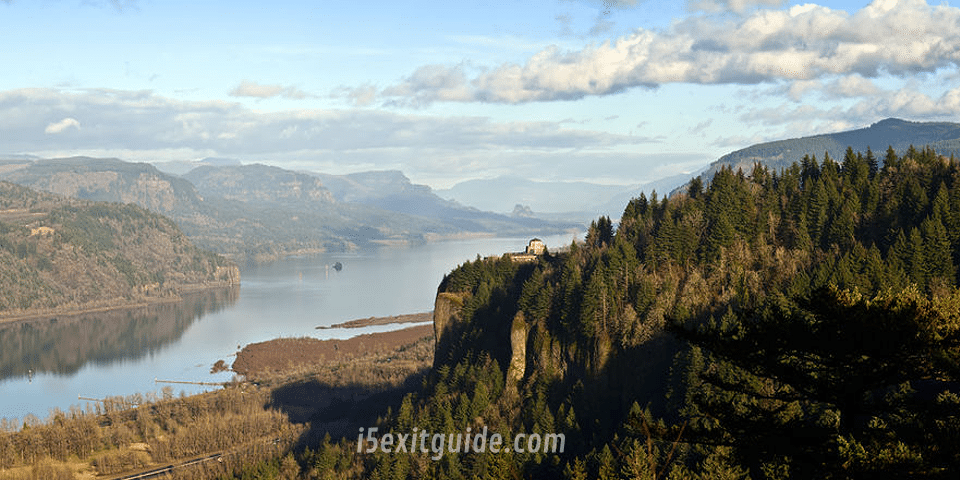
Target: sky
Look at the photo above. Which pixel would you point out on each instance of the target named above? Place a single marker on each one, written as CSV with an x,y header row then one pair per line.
x,y
612,91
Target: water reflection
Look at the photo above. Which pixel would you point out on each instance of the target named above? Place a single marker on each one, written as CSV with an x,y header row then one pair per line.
x,y
63,345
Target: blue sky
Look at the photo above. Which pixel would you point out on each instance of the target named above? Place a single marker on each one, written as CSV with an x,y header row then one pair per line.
x,y
613,91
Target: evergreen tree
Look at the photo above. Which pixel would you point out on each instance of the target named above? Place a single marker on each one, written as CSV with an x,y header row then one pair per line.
x,y
872,162
600,233
890,160
937,254
813,369
817,211
695,189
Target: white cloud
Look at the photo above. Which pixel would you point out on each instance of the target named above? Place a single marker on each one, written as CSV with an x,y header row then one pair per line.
x,y
144,126
852,86
58,127
806,42
360,96
701,127
431,83
908,103
247,88
731,5
789,121
847,86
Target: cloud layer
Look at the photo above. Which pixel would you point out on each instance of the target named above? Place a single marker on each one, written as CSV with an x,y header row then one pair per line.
x,y
247,88
885,38
143,126
59,127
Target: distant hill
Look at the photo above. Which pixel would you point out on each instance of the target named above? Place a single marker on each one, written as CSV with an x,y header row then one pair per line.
x,y
368,187
216,225
180,167
502,193
260,184
392,190
944,137
108,179
251,212
65,255
367,207
260,212
662,187
580,201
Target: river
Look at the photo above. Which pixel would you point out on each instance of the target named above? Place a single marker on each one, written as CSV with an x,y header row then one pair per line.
x,y
49,363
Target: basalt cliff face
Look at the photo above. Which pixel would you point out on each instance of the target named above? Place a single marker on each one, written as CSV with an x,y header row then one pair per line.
x,y
454,334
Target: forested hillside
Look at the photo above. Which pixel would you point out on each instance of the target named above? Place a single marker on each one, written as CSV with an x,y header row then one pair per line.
x,y
795,324
63,255
944,137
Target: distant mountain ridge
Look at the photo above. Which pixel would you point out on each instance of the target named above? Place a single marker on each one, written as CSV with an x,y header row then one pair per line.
x,y
108,179
260,212
582,201
540,196
944,137
258,182
366,186
392,190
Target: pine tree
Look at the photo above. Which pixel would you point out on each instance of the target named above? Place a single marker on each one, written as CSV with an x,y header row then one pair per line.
x,y
792,377
695,189
872,162
720,235
937,257
809,169
600,233
915,253
817,211
596,304
843,225
891,160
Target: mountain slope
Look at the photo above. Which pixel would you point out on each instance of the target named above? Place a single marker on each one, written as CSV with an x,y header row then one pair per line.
x,y
60,254
108,179
798,327
571,201
944,137
215,224
260,183
259,212
393,191
501,194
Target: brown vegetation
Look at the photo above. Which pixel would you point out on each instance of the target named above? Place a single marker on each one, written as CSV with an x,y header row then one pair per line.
x,y
257,360
325,387
366,322
123,434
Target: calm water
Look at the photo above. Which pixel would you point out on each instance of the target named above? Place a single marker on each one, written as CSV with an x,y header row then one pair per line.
x,y
47,364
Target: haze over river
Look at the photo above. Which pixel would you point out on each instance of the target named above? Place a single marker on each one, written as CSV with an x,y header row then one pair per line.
x,y
48,363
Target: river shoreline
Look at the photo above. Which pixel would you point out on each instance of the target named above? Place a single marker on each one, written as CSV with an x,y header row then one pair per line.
x,y
373,321
106,306
284,354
